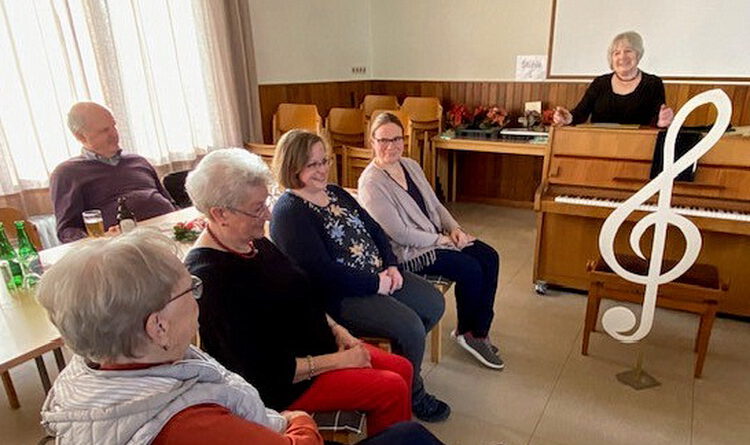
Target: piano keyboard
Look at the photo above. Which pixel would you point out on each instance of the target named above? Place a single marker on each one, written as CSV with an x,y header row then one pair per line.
x,y
687,211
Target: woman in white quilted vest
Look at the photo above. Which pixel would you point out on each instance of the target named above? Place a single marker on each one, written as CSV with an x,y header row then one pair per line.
x,y
126,307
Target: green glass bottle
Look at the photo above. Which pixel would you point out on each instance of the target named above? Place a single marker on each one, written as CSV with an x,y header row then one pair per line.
x,y
9,254
28,257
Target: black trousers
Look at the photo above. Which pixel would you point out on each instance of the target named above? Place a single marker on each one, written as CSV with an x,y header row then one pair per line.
x,y
475,270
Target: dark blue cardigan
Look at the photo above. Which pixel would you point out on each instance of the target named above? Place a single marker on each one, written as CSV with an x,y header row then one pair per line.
x,y
298,231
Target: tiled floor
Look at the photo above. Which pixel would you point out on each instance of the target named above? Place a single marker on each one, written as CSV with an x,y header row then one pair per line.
x,y
549,394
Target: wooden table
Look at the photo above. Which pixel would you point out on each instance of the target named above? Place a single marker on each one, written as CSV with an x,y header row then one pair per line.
x,y
25,330
441,160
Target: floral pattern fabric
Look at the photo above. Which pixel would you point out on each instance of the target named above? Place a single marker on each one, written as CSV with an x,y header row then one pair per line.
x,y
353,244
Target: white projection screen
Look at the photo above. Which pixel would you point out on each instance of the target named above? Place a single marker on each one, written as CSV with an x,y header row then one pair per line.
x,y
683,39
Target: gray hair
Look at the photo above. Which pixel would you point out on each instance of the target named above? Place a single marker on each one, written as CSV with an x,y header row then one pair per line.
x,y
633,38
77,115
222,177
100,294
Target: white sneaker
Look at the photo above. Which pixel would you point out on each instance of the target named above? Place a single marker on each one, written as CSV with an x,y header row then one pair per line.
x,y
480,349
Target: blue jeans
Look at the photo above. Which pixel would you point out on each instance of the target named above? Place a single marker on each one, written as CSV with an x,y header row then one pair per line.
x,y
475,271
404,317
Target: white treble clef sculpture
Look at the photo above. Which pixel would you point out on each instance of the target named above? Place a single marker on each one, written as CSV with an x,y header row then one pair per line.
x,y
619,320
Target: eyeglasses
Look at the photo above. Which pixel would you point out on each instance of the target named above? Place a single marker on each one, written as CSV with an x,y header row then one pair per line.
x,y
322,163
196,289
385,141
260,213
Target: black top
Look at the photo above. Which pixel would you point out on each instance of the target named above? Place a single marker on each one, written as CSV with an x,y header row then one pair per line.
x,y
638,107
300,233
257,315
413,191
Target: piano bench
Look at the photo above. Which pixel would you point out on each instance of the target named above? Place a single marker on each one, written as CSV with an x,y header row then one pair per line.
x,y
698,291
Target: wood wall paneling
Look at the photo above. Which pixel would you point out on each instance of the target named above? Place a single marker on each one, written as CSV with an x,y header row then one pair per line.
x,y
511,95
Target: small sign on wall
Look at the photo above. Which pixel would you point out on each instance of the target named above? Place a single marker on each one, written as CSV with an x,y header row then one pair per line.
x,y
531,67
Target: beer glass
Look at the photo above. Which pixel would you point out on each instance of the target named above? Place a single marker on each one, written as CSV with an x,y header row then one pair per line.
x,y
94,222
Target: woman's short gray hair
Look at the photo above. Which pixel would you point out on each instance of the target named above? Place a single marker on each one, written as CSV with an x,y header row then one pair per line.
x,y
633,38
221,179
100,294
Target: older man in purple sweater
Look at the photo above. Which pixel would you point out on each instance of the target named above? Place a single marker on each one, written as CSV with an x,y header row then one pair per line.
x,y
101,174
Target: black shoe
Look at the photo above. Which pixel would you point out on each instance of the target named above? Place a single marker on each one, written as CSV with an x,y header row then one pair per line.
x,y
431,409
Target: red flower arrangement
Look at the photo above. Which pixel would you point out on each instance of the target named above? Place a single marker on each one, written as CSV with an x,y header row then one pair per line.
x,y
483,117
189,231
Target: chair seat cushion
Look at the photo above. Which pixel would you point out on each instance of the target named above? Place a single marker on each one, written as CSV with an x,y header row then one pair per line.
x,y
351,421
701,275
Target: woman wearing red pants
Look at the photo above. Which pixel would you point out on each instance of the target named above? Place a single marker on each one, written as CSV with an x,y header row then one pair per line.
x,y
260,317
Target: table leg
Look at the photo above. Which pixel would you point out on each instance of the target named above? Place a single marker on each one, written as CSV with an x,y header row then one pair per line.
x,y
10,391
40,366
59,358
454,169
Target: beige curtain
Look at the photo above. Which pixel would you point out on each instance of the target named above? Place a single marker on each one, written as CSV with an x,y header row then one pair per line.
x,y
179,78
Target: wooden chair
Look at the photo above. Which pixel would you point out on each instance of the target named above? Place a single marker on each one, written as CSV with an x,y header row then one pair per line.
x,y
374,102
426,116
9,215
355,159
698,290
300,116
404,118
443,285
436,340
344,126
265,151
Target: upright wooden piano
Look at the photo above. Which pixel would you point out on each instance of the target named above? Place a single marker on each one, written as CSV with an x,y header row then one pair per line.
x,y
588,171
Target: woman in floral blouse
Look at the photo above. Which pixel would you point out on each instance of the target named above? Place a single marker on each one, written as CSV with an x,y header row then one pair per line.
x,y
348,257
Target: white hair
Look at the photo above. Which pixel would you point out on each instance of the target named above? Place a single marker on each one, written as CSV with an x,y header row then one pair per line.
x,y
221,179
633,38
100,294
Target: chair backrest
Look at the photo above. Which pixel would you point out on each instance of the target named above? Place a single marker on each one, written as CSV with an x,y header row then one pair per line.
x,y
426,115
345,126
355,159
423,109
300,116
175,185
9,215
265,151
374,102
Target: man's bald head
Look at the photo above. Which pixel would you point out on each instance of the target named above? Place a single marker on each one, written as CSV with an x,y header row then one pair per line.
x,y
94,126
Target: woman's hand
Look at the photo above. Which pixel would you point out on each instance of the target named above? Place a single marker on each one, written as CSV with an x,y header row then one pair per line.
x,y
356,357
289,415
386,282
445,240
344,339
561,117
397,280
460,238
666,115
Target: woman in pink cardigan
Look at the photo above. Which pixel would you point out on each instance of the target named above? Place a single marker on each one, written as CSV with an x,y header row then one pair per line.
x,y
427,239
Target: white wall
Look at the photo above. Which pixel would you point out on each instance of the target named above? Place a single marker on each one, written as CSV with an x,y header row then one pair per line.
x,y
692,38
456,40
310,40
319,40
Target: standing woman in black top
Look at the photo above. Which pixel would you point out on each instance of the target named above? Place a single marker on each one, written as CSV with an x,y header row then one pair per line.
x,y
627,95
